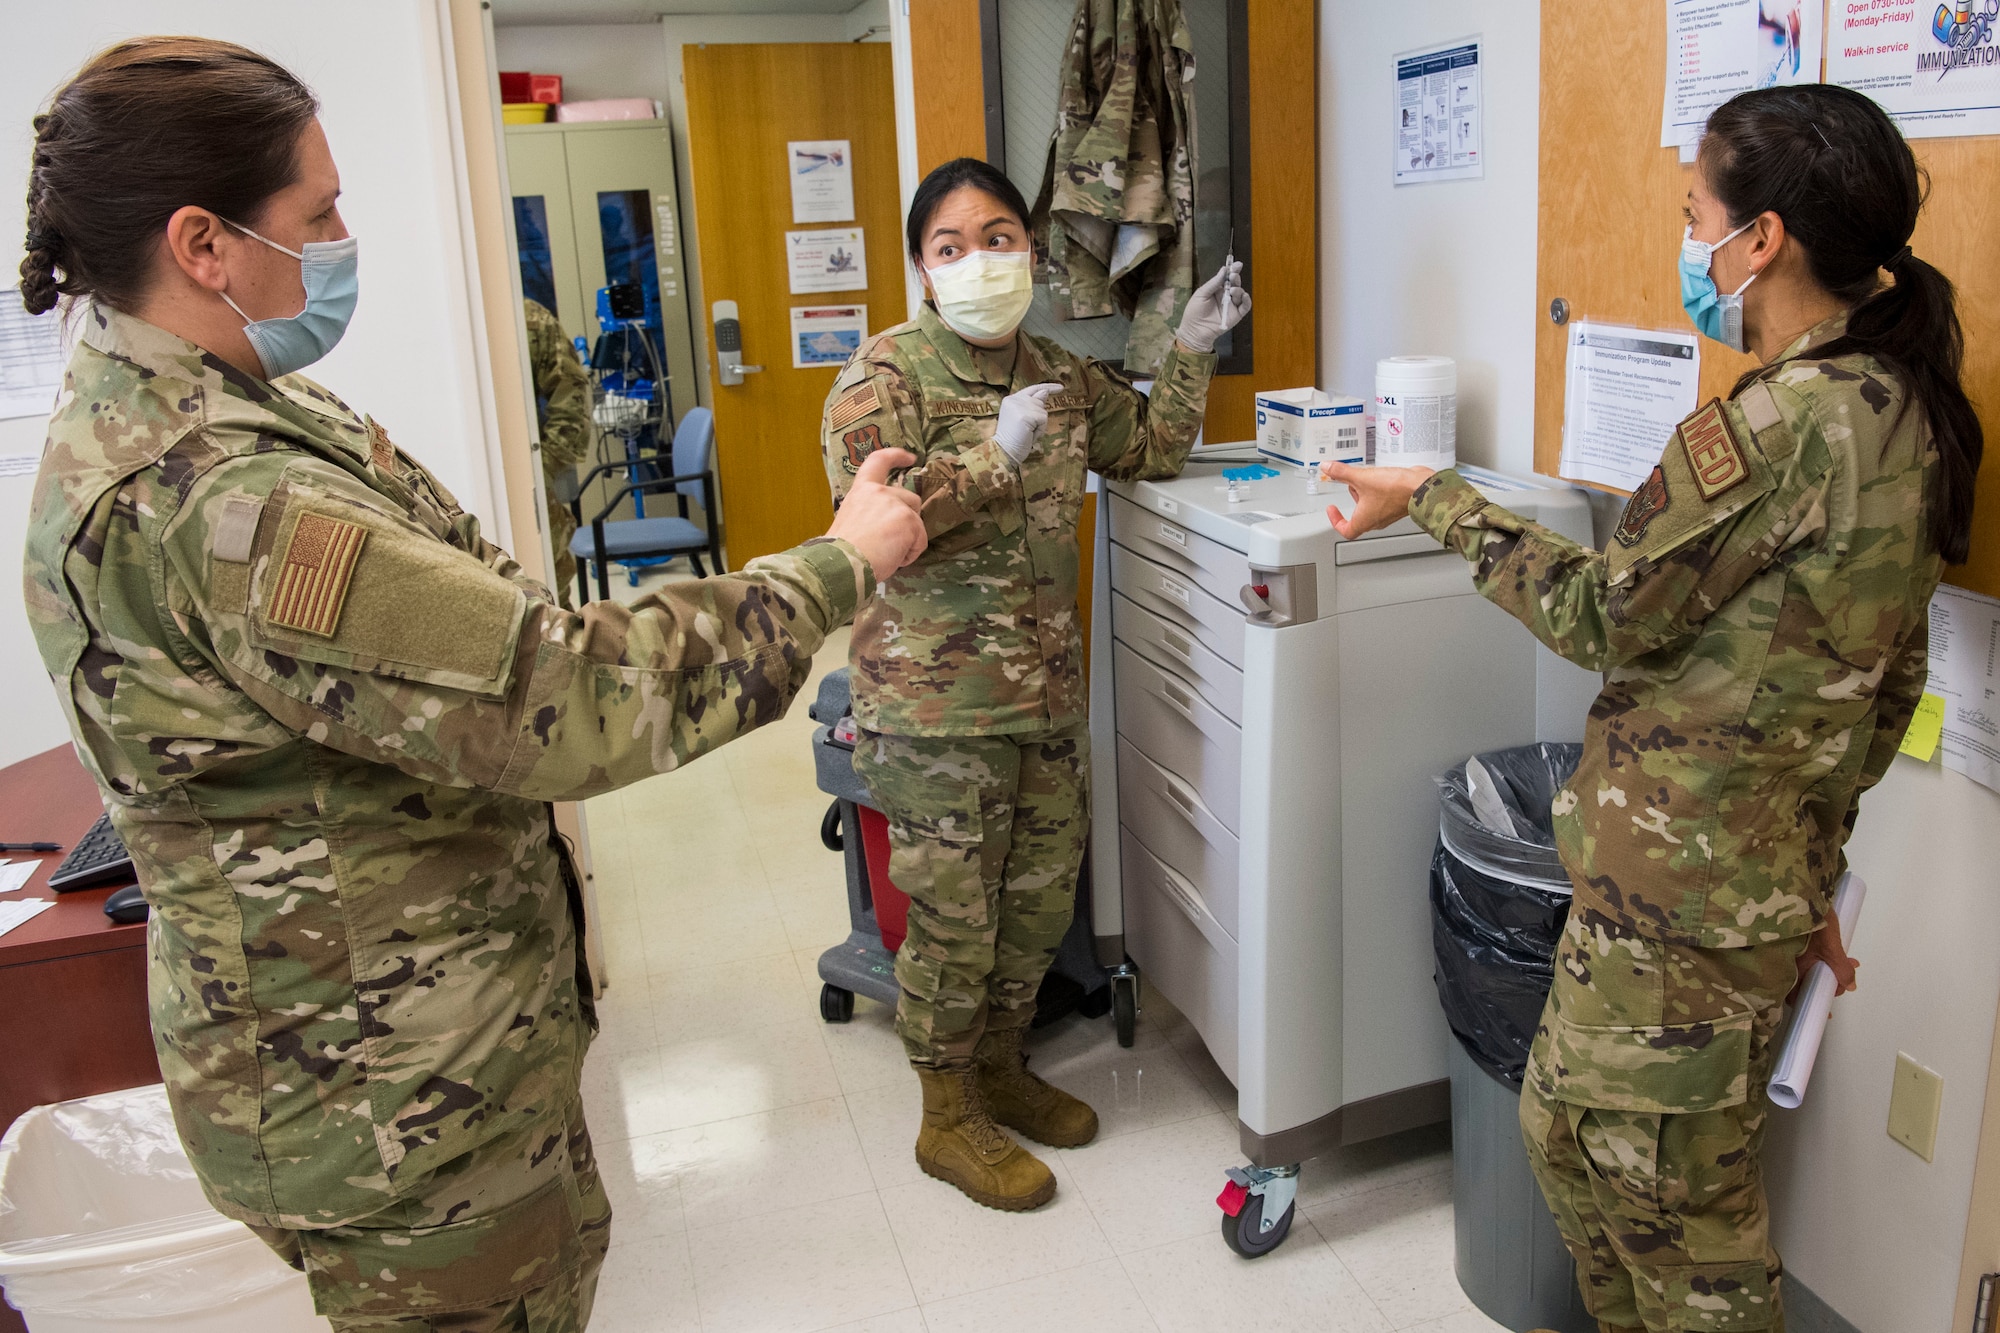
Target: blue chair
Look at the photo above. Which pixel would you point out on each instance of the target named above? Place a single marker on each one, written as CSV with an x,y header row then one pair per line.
x,y
605,539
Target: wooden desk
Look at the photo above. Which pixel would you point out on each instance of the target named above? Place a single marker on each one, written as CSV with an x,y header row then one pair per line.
x,y
73,1017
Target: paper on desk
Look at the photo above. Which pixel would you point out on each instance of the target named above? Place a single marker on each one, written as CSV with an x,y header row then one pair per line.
x,y
1798,1049
16,874
1626,389
14,913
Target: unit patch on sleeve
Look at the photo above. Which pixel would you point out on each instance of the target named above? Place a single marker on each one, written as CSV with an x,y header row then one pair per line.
x,y
310,584
1714,454
1646,504
855,404
861,442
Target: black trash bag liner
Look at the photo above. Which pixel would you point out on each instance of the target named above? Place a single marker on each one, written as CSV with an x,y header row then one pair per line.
x,y
1499,898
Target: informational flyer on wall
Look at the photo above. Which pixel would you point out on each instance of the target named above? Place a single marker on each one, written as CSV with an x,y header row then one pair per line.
x,y
31,358
826,335
1439,136
1626,391
1965,674
1719,48
822,180
1935,68
832,260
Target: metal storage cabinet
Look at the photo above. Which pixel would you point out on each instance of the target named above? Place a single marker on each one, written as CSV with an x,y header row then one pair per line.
x,y
1262,786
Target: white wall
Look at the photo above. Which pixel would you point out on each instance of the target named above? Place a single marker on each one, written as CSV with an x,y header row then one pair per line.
x,y
1872,1228
644,60
1447,268
378,68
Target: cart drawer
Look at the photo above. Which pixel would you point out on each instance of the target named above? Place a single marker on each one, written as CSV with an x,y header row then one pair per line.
x,y
1180,652
1215,567
1170,723
1179,601
1165,814
1180,948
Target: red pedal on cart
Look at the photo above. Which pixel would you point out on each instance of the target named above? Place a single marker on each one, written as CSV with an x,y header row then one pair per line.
x,y
1232,1199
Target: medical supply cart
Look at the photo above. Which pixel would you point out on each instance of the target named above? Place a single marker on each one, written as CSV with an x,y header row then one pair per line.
x,y
1268,705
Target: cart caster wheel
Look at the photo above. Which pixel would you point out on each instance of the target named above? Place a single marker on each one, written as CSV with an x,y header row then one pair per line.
x,y
1245,1234
829,830
1125,1007
836,1003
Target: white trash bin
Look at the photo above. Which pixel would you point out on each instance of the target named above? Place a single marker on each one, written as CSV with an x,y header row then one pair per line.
x,y
103,1228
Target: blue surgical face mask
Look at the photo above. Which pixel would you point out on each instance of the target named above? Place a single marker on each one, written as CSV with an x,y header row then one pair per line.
x,y
333,284
1718,316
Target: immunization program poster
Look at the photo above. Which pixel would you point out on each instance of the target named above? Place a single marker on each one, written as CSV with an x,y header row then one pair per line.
x,y
1719,48
1935,68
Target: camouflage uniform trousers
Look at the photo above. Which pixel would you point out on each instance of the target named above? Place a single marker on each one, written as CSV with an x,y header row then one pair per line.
x,y
986,835
506,1256
1663,1211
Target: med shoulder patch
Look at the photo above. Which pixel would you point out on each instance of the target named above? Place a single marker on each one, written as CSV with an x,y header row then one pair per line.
x,y
1715,456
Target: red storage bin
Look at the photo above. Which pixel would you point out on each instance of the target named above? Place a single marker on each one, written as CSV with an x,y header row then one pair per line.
x,y
516,85
892,905
545,88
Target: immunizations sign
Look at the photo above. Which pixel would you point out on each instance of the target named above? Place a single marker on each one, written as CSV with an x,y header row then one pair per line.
x,y
1438,131
1935,68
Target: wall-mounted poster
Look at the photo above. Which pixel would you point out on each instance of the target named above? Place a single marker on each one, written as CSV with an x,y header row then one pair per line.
x,y
822,173
1719,48
829,260
1438,132
1935,68
826,335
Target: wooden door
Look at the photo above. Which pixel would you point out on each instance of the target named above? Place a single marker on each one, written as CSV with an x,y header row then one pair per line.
x,y
745,104
1609,227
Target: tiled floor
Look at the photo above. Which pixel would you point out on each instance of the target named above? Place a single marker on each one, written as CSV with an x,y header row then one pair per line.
x,y
759,1160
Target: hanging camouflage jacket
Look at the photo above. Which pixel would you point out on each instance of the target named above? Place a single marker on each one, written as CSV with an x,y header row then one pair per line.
x,y
562,412
979,636
326,714
1116,212
1761,617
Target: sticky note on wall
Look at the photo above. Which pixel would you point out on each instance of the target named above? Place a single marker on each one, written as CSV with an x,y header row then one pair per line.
x,y
1920,742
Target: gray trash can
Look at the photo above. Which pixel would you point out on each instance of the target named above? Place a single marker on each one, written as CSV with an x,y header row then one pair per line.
x,y
1499,898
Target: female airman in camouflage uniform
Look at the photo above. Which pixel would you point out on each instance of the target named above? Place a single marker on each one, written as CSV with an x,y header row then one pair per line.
x,y
327,716
968,670
1760,615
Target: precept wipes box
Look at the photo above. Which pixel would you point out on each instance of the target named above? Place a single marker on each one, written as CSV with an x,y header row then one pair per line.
x,y
1306,427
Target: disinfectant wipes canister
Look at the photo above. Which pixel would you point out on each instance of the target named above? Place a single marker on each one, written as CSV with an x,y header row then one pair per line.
x,y
1416,411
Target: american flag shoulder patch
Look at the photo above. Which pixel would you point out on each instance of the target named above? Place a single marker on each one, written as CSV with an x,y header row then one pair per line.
x,y
310,584
855,404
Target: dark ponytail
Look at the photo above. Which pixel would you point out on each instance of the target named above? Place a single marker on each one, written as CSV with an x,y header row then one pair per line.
x,y
150,126
1832,165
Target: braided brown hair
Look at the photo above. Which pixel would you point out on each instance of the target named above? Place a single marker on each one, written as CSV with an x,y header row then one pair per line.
x,y
147,127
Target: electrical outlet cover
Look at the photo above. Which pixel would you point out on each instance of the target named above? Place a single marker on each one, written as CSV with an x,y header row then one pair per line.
x,y
1914,1105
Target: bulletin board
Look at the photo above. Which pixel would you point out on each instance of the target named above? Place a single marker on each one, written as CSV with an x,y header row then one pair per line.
x,y
1610,229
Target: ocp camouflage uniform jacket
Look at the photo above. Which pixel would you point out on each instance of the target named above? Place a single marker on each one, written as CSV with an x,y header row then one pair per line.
x,y
1761,616
326,714
1116,210
979,636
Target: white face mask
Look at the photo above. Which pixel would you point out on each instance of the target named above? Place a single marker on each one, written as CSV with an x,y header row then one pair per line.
x,y
986,294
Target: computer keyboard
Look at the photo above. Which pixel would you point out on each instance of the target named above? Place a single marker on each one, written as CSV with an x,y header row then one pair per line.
x,y
98,858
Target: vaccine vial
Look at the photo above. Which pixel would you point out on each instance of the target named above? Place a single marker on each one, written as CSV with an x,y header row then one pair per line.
x,y
1235,495
1312,479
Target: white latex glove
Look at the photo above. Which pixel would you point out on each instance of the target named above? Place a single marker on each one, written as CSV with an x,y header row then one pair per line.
x,y
1022,417
1216,307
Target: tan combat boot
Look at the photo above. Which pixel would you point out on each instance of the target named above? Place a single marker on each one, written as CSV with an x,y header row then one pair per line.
x,y
960,1145
1025,1102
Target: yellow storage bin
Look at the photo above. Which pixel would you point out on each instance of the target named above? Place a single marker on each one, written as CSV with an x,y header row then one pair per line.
x,y
525,113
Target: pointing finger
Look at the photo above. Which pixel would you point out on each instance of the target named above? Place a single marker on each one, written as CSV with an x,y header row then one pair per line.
x,y
878,465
